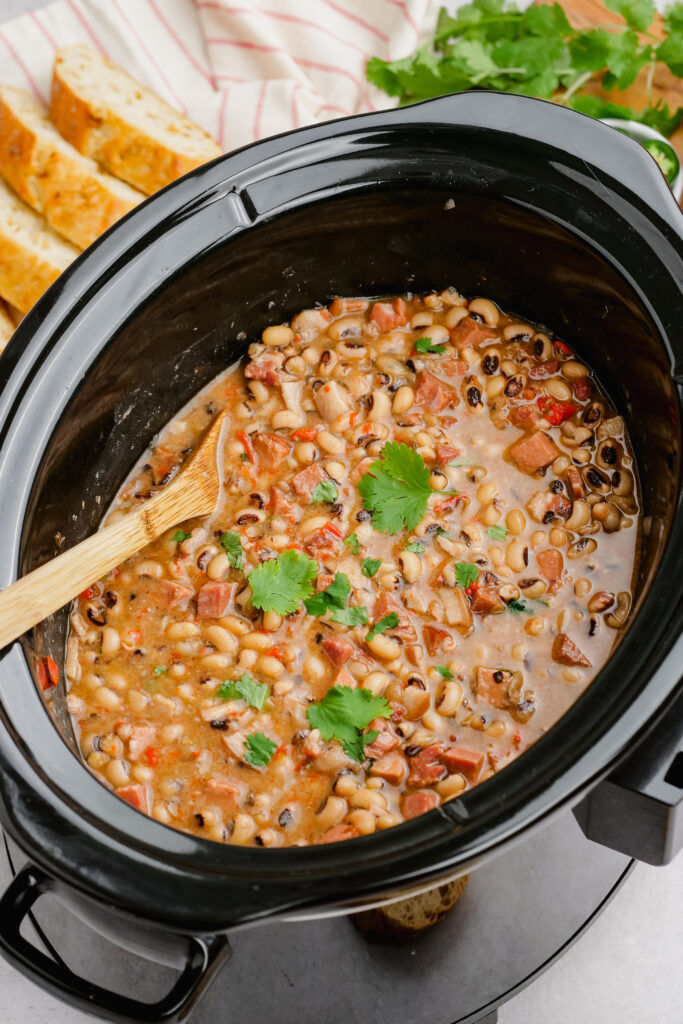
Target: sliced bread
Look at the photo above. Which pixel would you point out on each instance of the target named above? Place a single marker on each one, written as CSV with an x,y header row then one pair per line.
x,y
75,197
128,129
6,325
32,255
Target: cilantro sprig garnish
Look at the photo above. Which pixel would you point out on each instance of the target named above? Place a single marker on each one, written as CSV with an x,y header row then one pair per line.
x,y
497,533
427,345
466,574
493,44
415,546
282,583
518,606
369,566
333,600
343,713
326,490
353,544
259,749
396,489
388,622
443,671
231,543
179,536
244,688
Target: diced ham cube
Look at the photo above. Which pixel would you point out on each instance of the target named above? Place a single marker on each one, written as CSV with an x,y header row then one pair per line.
x,y
339,306
550,564
426,767
467,762
452,368
304,483
167,594
385,605
391,768
491,685
136,795
214,599
486,600
340,832
141,737
533,451
383,743
338,649
457,609
331,401
225,788
547,369
309,320
435,639
565,652
582,388
267,367
324,543
271,450
389,315
344,678
446,452
431,393
470,333
574,483
525,416
418,803
322,581
279,504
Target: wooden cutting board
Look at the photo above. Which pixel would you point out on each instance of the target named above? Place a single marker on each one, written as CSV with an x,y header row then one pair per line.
x,y
665,86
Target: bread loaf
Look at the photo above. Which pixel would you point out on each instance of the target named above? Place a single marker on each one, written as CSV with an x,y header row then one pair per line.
x,y
32,255
129,130
76,198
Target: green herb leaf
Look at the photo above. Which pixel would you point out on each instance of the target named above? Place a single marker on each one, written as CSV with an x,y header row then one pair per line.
x,y
282,583
159,670
336,596
246,689
396,489
518,606
466,574
353,544
639,14
415,546
388,622
444,671
461,462
497,533
326,490
179,536
369,566
259,749
232,544
343,712
440,532
357,616
427,345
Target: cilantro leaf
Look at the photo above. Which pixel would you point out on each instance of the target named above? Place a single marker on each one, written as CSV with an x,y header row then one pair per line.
x,y
326,490
658,117
343,712
233,548
159,670
444,671
638,14
415,546
280,584
369,566
356,616
179,536
353,544
388,622
245,688
671,53
518,606
497,533
396,489
335,596
259,749
466,574
673,17
427,345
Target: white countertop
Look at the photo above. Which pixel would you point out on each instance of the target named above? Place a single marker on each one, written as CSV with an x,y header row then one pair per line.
x,y
628,969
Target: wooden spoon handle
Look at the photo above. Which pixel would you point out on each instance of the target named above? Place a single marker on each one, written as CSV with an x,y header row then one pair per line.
x,y
48,588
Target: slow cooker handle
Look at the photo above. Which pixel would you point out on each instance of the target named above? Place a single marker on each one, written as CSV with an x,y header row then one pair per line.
x,y
638,808
202,961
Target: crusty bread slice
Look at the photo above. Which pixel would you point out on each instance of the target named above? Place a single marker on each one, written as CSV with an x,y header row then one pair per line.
x,y
75,197
6,325
409,918
32,255
111,118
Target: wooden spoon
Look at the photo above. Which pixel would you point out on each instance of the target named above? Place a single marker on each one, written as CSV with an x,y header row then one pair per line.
x,y
194,492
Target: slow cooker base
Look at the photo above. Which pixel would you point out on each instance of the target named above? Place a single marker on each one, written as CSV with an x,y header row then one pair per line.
x,y
519,913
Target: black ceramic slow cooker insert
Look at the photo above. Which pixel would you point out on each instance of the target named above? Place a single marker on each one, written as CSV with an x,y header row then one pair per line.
x,y
556,217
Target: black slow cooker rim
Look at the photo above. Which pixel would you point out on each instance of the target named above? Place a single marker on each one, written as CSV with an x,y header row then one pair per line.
x,y
424,847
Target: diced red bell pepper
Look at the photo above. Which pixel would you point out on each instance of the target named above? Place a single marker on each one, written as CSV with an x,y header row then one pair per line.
x,y
561,347
152,756
556,412
48,673
248,446
304,434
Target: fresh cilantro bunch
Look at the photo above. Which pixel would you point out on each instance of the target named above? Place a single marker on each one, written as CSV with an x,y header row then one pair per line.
x,y
282,583
343,713
493,44
396,489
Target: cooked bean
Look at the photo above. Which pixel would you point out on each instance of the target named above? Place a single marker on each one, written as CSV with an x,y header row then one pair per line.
x,y
277,336
486,309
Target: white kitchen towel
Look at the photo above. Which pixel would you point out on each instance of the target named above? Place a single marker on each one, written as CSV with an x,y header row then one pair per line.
x,y
243,69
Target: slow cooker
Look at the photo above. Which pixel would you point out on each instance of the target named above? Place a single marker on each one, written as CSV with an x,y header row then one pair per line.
x,y
558,218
